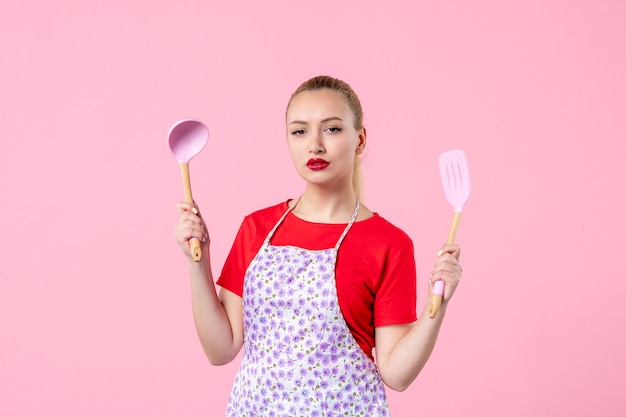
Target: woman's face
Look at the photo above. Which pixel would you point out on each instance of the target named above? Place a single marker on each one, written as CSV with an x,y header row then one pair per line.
x,y
322,139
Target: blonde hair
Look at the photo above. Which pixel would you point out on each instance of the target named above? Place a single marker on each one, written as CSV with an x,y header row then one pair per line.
x,y
326,82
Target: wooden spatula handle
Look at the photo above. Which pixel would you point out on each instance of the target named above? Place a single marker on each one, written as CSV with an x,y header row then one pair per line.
x,y
436,299
456,219
196,251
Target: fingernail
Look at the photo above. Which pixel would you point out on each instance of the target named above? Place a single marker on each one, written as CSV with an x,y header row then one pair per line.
x,y
440,252
194,210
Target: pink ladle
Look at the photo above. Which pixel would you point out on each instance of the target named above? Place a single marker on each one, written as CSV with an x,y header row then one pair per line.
x,y
186,139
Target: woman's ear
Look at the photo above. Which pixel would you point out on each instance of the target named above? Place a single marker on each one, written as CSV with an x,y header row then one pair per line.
x,y
362,141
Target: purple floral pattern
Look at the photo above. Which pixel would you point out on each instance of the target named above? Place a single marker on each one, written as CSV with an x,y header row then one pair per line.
x,y
300,358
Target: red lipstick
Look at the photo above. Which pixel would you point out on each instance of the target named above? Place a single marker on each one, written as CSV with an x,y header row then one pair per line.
x,y
317,164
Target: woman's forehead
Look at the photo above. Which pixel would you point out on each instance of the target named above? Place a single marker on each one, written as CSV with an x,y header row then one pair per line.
x,y
318,104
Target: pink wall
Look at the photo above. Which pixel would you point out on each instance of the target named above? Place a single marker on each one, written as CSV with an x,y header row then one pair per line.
x,y
95,313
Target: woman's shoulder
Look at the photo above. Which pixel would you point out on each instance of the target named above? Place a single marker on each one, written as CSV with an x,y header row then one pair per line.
x,y
269,212
383,230
259,222
372,219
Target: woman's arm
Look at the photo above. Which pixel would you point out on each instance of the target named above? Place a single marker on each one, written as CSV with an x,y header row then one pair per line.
x,y
218,320
402,350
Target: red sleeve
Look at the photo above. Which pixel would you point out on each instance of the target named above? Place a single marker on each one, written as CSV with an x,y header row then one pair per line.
x,y
396,297
248,241
242,252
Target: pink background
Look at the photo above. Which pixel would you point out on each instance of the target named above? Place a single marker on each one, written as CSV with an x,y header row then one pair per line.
x,y
95,313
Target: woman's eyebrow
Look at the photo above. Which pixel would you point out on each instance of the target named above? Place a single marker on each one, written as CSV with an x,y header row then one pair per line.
x,y
328,119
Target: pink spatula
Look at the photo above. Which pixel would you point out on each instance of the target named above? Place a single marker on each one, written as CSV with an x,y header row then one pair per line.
x,y
186,139
455,179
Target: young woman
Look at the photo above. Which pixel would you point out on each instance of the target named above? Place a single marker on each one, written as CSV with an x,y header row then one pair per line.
x,y
313,284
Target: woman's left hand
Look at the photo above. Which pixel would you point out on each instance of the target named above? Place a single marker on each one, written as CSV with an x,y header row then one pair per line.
x,y
447,269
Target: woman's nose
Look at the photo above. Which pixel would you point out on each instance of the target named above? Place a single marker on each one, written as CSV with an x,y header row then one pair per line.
x,y
316,146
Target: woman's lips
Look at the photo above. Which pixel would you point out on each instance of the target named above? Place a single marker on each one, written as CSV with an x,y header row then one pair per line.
x,y
317,164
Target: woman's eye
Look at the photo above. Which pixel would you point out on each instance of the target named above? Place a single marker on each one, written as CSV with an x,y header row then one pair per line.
x,y
298,132
334,129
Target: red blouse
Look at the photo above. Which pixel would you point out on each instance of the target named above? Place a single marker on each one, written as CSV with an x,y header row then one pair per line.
x,y
375,272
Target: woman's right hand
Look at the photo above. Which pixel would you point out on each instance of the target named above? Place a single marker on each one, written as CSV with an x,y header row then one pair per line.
x,y
190,225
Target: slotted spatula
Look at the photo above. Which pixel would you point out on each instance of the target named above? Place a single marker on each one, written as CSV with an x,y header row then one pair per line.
x,y
455,179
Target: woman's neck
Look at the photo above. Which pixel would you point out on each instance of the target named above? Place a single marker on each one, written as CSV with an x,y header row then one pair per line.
x,y
321,205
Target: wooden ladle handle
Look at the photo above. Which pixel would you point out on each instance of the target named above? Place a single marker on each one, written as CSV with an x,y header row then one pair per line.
x,y
196,251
